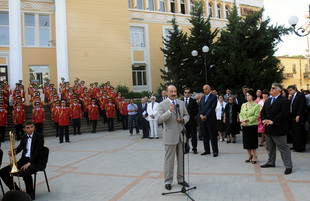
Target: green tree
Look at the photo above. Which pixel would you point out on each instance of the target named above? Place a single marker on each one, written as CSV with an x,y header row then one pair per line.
x,y
200,35
175,53
244,53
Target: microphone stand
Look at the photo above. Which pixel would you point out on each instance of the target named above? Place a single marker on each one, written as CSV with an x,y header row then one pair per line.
x,y
183,190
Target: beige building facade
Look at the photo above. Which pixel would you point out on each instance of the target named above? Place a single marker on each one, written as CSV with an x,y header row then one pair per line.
x,y
96,40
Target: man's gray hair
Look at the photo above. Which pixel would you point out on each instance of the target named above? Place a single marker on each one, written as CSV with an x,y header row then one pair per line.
x,y
292,87
278,85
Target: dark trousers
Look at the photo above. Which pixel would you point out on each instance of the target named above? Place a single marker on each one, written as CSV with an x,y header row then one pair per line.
x,y
19,131
56,126
118,115
298,135
39,128
7,177
2,130
191,132
145,127
104,115
125,122
86,117
76,124
94,125
209,133
111,124
61,136
133,118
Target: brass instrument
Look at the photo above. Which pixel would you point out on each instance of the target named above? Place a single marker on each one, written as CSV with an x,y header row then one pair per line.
x,y
13,161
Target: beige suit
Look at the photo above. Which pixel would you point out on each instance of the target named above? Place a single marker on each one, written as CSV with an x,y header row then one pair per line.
x,y
172,138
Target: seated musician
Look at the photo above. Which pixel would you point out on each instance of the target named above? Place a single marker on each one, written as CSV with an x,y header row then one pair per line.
x,y
31,146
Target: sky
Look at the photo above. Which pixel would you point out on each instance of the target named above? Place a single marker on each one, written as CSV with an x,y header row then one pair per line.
x,y
279,11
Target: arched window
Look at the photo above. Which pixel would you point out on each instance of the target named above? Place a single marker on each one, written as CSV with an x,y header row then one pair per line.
x,y
182,6
218,11
172,6
192,6
129,3
162,5
210,10
226,12
140,4
151,5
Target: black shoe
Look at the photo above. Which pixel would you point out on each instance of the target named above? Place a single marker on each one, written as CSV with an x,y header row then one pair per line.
x,y
215,155
143,138
186,152
200,139
157,138
228,141
31,195
249,160
57,135
151,138
168,187
234,141
267,166
68,141
60,142
204,153
288,171
195,152
184,183
79,133
74,133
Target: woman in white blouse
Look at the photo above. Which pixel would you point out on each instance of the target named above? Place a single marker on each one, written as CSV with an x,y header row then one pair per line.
x,y
219,111
152,117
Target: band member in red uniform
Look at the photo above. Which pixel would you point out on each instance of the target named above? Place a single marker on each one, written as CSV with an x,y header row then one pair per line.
x,y
76,115
118,100
3,121
93,114
64,118
19,119
110,111
55,116
124,113
102,102
38,117
86,103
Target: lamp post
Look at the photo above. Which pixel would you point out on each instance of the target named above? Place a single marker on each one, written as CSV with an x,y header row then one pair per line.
x,y
205,49
301,31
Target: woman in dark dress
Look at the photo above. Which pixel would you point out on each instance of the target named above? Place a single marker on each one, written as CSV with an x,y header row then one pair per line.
x,y
248,118
231,118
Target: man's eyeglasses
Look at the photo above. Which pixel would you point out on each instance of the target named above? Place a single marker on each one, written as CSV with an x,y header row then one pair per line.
x,y
273,87
186,92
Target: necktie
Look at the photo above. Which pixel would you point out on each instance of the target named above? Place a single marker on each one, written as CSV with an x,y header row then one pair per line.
x,y
152,105
272,100
174,103
291,106
186,103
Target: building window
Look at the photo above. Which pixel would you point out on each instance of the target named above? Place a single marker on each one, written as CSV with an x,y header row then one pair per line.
x,y
4,29
137,37
294,68
226,12
140,4
210,10
162,5
39,74
139,75
172,6
3,73
192,6
182,6
37,30
151,5
218,11
129,3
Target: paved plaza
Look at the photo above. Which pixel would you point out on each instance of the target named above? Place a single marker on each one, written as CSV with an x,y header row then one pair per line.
x,y
110,166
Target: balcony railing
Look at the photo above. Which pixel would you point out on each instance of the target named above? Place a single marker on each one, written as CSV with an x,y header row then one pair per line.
x,y
288,75
307,75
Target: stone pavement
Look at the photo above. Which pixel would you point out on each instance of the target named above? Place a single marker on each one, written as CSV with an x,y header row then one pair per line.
x,y
110,166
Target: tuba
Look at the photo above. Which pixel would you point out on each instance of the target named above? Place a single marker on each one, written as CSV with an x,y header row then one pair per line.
x,y
13,161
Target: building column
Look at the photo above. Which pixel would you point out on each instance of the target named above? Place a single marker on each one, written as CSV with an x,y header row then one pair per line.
x,y
168,6
61,40
15,69
188,7
135,4
178,2
158,5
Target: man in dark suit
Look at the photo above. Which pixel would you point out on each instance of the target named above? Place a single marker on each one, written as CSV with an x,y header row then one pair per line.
x,y
191,125
142,110
275,117
297,119
31,146
207,114
242,98
163,96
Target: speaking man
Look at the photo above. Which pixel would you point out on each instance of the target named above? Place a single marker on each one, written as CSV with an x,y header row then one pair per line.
x,y
172,112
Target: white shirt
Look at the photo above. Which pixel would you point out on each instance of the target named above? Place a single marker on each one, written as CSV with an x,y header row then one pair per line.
x,y
28,146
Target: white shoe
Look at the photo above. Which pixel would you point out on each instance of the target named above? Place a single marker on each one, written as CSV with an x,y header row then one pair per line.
x,y
221,140
225,139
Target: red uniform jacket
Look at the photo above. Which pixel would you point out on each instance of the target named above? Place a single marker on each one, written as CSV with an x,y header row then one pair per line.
x,y
54,114
110,110
103,101
93,112
117,102
64,116
123,109
22,106
86,103
19,116
3,118
76,111
38,116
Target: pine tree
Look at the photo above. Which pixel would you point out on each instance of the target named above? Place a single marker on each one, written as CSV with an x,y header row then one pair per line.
x,y
175,53
245,53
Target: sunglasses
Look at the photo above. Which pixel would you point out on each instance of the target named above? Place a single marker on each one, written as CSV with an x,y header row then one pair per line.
x,y
187,92
273,88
